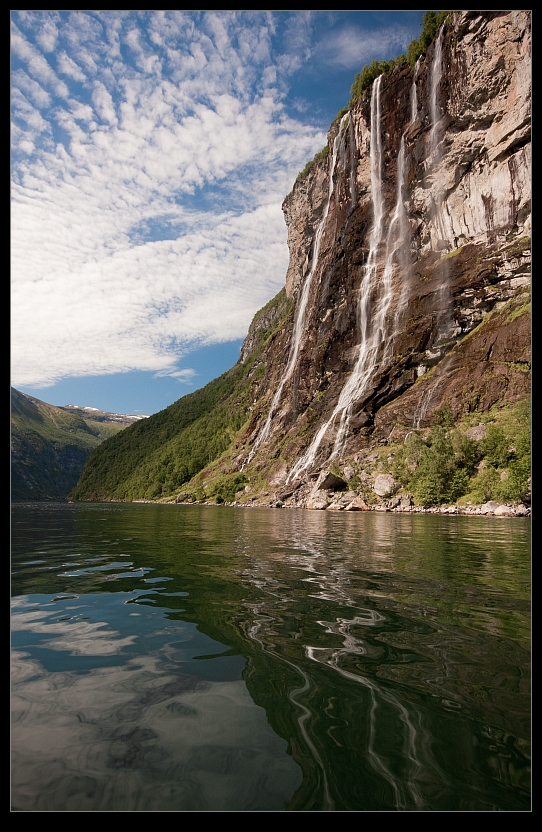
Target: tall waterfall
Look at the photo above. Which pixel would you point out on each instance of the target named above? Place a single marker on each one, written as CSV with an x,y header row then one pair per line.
x,y
353,164
370,326
442,294
378,333
301,309
436,75
435,152
414,95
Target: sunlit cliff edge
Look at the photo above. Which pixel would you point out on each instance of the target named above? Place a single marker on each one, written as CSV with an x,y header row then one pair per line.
x,y
394,369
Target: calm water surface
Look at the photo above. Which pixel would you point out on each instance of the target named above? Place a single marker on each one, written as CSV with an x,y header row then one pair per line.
x,y
196,658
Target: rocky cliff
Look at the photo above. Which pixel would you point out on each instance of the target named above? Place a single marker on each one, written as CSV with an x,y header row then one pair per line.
x,y
406,307
409,255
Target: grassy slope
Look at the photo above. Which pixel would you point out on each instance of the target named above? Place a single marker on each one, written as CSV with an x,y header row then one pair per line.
x,y
157,456
193,445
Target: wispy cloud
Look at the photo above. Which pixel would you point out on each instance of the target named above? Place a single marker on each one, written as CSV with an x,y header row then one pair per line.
x,y
154,109
351,47
184,376
151,154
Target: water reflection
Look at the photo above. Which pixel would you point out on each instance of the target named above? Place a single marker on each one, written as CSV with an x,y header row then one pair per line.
x,y
200,658
139,738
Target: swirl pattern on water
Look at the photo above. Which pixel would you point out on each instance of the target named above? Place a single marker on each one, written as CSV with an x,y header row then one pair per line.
x,y
201,658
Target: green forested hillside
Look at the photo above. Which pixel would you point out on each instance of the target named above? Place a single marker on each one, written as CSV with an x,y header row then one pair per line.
x,y
158,455
49,448
51,444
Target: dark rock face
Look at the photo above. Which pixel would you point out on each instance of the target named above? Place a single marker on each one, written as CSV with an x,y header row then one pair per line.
x,y
410,271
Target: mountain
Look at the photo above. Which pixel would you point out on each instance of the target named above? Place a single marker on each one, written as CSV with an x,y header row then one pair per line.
x,y
50,445
400,347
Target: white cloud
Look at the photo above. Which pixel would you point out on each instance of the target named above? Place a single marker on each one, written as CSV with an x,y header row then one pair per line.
x,y
47,35
31,88
184,376
103,103
67,66
23,109
149,220
37,65
351,47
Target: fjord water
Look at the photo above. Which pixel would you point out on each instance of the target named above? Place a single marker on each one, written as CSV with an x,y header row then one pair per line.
x,y
198,658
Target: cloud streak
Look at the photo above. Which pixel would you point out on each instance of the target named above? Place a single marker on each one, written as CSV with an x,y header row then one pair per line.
x,y
151,153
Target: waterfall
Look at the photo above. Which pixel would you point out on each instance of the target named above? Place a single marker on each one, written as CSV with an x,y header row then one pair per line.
x,y
442,297
404,255
377,338
436,75
369,327
377,334
414,95
398,248
301,309
434,155
439,232
426,400
370,353
353,162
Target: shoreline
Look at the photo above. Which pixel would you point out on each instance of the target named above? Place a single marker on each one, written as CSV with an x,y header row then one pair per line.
x,y
491,508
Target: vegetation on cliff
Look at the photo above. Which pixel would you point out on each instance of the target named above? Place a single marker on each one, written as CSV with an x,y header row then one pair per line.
x,y
464,463
462,345
318,157
157,456
431,22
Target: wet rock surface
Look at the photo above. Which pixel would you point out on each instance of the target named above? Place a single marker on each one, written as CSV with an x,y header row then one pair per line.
x,y
453,256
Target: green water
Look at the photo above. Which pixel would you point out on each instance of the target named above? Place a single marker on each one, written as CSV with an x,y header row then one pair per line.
x,y
198,658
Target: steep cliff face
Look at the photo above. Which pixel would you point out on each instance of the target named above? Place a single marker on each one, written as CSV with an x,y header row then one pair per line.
x,y
406,305
409,258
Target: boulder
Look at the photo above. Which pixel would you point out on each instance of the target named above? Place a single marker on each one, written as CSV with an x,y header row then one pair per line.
x,y
385,485
317,501
329,481
478,433
504,511
357,504
489,507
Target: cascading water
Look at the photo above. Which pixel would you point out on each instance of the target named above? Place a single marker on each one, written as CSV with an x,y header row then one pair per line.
x,y
300,314
353,161
377,333
441,304
436,75
404,255
435,150
439,232
414,95
397,253
398,247
377,337
369,334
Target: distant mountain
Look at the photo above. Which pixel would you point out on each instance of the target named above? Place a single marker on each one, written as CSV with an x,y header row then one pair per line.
x,y
103,417
50,445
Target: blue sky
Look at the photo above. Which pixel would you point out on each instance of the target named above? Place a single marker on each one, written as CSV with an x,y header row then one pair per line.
x,y
151,152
